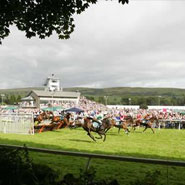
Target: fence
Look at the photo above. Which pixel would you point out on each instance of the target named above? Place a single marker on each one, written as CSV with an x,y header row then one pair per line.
x,y
167,123
100,156
17,123
166,163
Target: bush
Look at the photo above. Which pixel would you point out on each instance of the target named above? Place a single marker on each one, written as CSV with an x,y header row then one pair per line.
x,y
85,178
16,168
143,106
151,178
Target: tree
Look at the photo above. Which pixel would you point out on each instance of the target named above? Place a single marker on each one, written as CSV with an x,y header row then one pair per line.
x,y
151,100
141,100
12,99
18,98
42,17
143,106
124,101
101,99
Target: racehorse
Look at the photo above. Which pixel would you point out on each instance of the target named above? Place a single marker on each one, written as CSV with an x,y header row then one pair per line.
x,y
43,116
101,128
59,122
124,124
147,123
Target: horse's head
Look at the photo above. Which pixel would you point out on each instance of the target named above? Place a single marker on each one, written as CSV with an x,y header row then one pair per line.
x,y
112,122
129,119
155,119
68,115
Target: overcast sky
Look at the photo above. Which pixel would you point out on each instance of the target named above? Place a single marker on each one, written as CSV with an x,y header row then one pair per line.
x,y
141,44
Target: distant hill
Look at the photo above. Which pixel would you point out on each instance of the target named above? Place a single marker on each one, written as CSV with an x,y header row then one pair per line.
x,y
129,91
19,91
119,95
114,91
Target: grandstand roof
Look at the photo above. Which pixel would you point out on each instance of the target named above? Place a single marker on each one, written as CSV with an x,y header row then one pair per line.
x,y
40,93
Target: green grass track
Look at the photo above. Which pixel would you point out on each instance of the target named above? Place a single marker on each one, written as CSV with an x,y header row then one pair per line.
x,y
164,144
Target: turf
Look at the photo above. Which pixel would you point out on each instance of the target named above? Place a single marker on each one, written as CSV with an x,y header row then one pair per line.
x,y
164,144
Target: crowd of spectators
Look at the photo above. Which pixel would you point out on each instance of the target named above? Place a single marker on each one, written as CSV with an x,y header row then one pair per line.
x,y
92,108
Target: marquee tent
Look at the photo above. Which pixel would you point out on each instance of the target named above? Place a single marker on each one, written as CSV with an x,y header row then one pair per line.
x,y
53,108
74,109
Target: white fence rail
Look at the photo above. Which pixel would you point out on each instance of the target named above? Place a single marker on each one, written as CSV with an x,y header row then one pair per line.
x,y
100,156
17,123
176,123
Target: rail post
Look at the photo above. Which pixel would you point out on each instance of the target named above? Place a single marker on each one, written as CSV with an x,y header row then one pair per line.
x,y
88,164
179,125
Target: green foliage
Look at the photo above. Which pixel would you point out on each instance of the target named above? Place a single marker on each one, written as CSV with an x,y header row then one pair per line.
x,y
86,178
45,174
16,168
143,106
101,100
151,178
12,99
42,17
164,144
149,96
90,98
18,98
124,101
116,96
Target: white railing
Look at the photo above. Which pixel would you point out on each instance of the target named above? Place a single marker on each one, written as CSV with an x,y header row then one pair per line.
x,y
164,122
17,123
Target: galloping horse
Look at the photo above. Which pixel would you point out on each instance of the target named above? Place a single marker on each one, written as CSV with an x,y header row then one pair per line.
x,y
43,116
89,126
124,124
147,123
61,123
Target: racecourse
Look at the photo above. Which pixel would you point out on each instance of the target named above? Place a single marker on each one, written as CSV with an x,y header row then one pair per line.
x,y
164,144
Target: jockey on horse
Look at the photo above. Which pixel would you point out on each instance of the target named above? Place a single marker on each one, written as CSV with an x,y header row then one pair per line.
x,y
96,119
146,118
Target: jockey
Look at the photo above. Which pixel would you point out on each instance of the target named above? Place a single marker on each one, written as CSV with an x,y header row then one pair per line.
x,y
139,117
146,118
121,117
62,115
98,119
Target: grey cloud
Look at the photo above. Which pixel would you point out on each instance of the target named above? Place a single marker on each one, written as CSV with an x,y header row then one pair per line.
x,y
141,44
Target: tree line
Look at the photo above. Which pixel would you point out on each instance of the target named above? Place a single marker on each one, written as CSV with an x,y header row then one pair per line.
x,y
14,99
10,99
140,100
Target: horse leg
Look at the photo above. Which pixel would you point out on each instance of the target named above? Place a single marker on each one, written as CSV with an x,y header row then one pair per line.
x,y
107,129
99,135
152,129
91,136
102,133
134,127
104,137
145,128
127,130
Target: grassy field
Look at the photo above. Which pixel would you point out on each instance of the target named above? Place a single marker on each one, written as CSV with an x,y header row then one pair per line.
x,y
165,144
